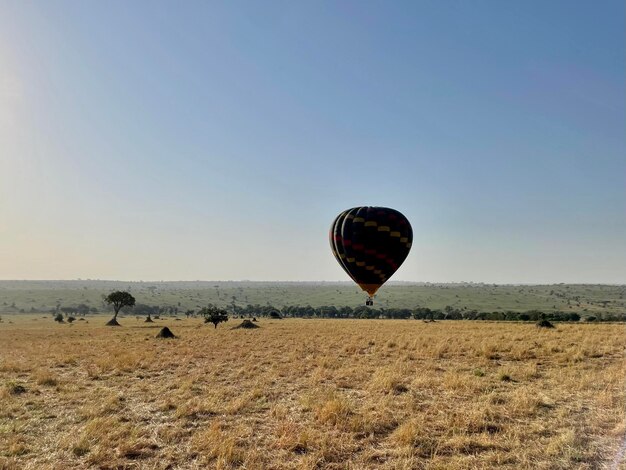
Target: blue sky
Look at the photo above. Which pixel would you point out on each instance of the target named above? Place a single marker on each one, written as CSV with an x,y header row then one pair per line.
x,y
218,140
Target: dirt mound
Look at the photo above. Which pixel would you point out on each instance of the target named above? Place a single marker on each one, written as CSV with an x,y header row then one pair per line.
x,y
113,322
148,319
246,324
544,324
165,333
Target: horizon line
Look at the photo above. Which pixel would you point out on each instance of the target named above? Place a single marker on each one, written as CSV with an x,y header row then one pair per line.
x,y
399,281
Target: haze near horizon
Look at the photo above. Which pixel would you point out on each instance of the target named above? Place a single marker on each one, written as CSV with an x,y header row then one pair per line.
x,y
148,141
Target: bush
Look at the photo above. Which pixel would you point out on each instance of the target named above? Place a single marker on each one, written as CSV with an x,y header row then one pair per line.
x,y
544,324
15,388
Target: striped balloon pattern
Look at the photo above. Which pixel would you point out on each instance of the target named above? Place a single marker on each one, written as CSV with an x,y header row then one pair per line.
x,y
370,244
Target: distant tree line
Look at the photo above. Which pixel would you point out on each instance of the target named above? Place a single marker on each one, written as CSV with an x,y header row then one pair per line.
x,y
418,313
307,311
330,311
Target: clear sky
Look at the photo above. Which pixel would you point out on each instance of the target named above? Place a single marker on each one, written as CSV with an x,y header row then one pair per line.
x,y
152,140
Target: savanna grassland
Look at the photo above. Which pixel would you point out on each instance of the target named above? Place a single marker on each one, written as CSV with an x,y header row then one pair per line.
x,y
357,394
584,299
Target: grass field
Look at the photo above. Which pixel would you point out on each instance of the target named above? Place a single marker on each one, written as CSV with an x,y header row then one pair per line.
x,y
344,394
584,299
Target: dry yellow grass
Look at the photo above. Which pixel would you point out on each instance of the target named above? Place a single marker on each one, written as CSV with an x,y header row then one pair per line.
x,y
310,394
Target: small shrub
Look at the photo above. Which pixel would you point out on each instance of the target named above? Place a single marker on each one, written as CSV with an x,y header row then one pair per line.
x,y
15,388
479,372
45,378
81,448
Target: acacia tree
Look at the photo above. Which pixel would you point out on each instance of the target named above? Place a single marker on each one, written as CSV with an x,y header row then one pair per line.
x,y
118,299
214,315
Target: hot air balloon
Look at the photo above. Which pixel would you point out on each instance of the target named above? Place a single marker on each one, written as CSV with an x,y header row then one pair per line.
x,y
370,244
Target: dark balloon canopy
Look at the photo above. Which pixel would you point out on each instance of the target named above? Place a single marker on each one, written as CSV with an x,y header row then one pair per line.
x,y
370,244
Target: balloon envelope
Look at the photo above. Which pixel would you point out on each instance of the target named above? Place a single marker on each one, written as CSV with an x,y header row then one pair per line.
x,y
370,244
